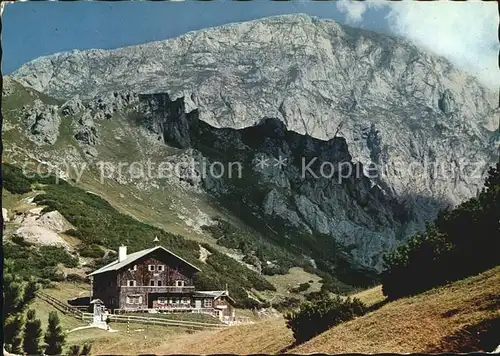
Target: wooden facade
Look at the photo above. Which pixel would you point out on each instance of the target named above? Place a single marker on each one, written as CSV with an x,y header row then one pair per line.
x,y
155,279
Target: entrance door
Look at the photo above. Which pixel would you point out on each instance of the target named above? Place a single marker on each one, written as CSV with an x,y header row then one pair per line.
x,y
150,298
197,304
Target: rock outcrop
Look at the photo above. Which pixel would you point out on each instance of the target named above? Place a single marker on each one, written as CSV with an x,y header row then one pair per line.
x,y
86,132
42,123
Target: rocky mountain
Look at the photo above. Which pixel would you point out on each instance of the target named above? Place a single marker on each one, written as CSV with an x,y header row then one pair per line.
x,y
292,89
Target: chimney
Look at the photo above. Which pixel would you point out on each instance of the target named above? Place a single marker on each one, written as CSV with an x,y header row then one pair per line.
x,y
122,253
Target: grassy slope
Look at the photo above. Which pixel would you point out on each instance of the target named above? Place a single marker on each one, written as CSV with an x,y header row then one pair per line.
x,y
415,324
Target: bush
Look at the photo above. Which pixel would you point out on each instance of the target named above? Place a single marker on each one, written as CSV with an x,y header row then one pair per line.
x,y
76,278
41,262
316,295
92,251
287,303
270,270
52,255
19,240
315,317
301,288
251,260
14,180
51,273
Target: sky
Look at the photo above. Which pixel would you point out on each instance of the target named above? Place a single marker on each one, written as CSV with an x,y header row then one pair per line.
x,y
466,32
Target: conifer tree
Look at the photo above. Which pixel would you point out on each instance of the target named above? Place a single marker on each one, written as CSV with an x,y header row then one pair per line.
x,y
13,333
17,296
54,336
32,334
74,350
86,349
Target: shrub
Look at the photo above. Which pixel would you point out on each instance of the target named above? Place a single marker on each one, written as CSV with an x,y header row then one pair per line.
x,y
52,255
38,262
301,288
19,240
315,317
316,295
288,303
251,260
76,278
14,180
271,270
92,251
51,273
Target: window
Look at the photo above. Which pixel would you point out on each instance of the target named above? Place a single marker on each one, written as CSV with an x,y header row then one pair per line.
x,y
162,300
151,282
151,268
207,303
133,268
159,268
134,299
179,283
158,283
131,283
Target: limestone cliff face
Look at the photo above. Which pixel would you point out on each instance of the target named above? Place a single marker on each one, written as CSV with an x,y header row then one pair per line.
x,y
421,131
291,182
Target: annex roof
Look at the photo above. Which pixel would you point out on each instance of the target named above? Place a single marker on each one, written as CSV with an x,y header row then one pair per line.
x,y
116,265
213,294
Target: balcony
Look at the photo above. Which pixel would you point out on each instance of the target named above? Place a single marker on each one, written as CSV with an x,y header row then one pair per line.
x,y
157,289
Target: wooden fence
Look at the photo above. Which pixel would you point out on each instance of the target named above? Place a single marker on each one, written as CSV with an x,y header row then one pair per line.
x,y
61,306
69,310
162,321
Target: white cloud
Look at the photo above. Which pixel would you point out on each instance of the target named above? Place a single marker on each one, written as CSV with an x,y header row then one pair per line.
x,y
354,10
463,32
